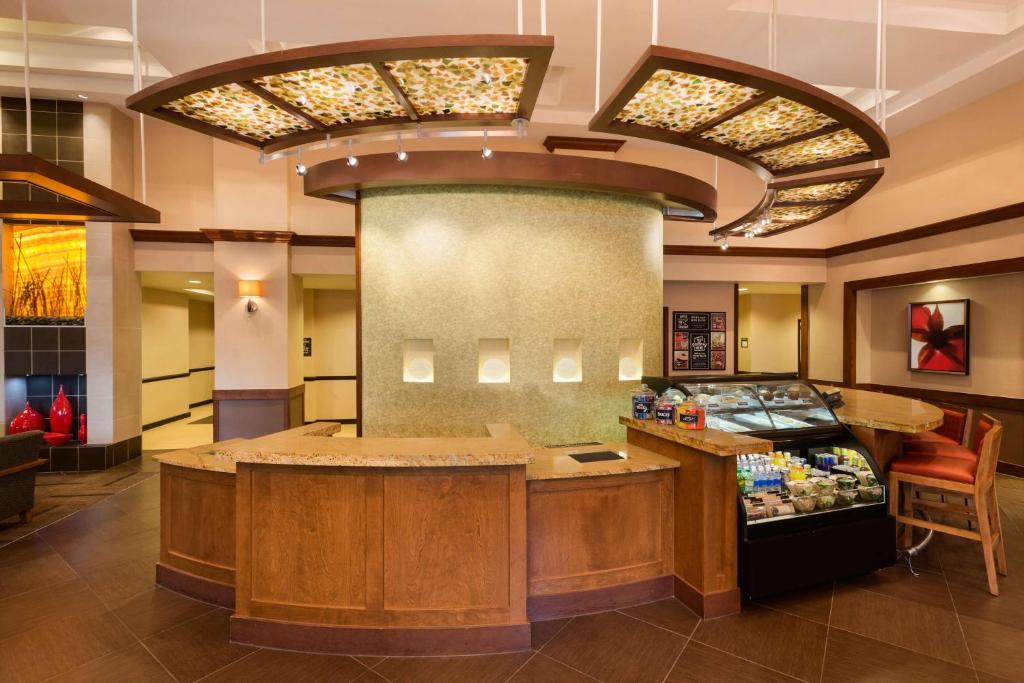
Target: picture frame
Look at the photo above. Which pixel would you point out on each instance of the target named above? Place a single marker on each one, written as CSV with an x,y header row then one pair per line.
x,y
938,336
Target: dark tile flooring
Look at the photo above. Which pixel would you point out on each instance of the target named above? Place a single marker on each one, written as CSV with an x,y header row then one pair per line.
x,y
77,603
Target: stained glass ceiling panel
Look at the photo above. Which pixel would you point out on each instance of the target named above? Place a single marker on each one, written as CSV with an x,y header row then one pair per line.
x,y
336,94
681,101
471,85
238,111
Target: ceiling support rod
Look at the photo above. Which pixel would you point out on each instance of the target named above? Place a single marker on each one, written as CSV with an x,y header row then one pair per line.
x,y
543,17
263,25
28,91
597,60
137,83
772,42
519,16
654,22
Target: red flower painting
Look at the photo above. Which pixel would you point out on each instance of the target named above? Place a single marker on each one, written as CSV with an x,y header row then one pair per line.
x,y
938,342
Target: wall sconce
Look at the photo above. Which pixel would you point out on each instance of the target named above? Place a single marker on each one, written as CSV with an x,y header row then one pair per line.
x,y
250,288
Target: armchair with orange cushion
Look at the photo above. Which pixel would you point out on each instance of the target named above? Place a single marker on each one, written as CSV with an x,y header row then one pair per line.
x,y
953,429
959,471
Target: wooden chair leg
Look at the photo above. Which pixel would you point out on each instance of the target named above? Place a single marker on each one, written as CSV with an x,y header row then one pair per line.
x,y
894,503
985,529
997,527
25,516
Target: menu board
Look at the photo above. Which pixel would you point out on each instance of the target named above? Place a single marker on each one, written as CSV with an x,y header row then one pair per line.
x,y
698,340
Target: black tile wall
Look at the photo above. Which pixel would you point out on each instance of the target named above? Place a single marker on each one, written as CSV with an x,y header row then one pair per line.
x,y
41,390
44,350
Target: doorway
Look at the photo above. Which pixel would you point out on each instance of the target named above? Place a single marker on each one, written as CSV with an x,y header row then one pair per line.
x,y
768,320
177,359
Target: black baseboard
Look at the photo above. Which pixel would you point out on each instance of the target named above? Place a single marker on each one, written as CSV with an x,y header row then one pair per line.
x,y
166,420
343,421
1010,468
201,403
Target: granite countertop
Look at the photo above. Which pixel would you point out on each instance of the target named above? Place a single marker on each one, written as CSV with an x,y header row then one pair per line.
x,y
288,448
201,457
886,411
555,463
710,441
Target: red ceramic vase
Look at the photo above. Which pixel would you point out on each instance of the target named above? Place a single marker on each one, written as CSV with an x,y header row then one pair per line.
x,y
60,413
81,428
27,420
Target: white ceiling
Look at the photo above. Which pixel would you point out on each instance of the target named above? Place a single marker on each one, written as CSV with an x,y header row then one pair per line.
x,y
941,53
194,285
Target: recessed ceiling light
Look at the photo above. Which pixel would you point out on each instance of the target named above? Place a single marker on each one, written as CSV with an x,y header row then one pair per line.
x,y
195,282
743,289
82,97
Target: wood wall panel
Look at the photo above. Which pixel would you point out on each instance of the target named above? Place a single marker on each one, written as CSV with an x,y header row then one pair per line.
x,y
446,540
312,554
324,546
197,518
575,531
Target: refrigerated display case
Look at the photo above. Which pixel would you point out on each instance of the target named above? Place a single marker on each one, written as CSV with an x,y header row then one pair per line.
x,y
813,509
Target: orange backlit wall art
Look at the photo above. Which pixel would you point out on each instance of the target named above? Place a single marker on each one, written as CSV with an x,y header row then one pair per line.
x,y
44,274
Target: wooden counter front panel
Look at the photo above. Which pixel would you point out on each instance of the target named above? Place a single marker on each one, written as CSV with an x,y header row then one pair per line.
x,y
197,519
595,532
393,548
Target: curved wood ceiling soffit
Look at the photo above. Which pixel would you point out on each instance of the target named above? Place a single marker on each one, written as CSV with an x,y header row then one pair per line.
x,y
684,194
790,204
768,122
281,99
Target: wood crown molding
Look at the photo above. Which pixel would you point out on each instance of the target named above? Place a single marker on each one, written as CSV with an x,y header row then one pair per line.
x,y
208,236
258,394
972,220
553,142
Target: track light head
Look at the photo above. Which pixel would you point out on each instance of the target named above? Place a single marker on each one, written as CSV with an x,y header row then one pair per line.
x,y
300,169
725,244
486,152
352,160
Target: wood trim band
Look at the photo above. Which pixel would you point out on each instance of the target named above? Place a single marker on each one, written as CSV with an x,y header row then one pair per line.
x,y
387,642
318,378
208,236
257,394
161,378
205,369
971,220
166,420
190,585
200,403
764,252
330,179
1010,468
571,604
324,241
805,332
553,142
1010,404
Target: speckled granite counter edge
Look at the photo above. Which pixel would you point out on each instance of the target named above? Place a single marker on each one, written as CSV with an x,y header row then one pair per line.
x,y
711,441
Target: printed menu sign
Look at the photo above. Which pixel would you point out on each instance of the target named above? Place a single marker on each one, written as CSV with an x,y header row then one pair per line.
x,y
698,340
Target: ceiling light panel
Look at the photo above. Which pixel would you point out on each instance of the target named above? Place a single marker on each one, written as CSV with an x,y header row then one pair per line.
x,y
795,214
841,144
680,102
776,120
461,85
818,193
239,111
336,94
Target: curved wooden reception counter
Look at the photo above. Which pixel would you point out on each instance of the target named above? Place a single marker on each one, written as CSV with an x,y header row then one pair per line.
x,y
411,546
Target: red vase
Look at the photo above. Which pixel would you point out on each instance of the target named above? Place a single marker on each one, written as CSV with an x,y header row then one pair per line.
x,y
60,413
81,428
27,421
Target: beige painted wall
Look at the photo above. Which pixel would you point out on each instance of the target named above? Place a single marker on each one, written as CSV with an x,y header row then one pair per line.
x,y
701,296
165,351
769,322
200,350
330,321
262,350
458,264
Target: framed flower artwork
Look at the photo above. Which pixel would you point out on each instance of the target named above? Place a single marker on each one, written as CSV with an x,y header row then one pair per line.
x,y
939,336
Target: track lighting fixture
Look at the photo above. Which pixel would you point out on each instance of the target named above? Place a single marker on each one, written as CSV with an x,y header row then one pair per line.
x,y
300,168
520,125
486,152
352,160
302,100
725,244
401,154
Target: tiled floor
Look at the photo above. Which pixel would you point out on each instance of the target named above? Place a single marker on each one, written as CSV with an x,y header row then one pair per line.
x,y
77,603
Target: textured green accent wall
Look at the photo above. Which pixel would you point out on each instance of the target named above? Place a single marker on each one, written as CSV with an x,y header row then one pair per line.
x,y
459,263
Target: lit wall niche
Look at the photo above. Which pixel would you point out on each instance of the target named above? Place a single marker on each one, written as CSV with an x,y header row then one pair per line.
x,y
567,361
631,359
495,364
44,274
418,360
